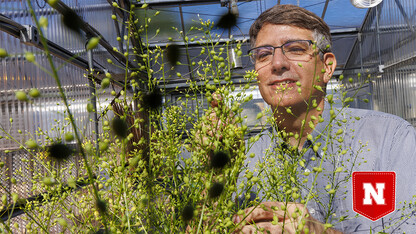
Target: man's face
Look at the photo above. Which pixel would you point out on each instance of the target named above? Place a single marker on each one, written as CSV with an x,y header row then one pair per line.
x,y
277,79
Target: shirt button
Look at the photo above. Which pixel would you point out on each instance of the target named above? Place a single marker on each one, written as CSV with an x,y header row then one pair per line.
x,y
312,211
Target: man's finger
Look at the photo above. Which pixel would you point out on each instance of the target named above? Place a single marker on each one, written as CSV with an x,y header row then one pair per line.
x,y
267,227
216,99
267,210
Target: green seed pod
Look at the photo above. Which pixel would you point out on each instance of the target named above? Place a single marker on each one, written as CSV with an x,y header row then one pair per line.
x,y
34,93
31,144
4,199
90,107
52,3
71,182
48,181
330,98
62,222
259,115
3,53
92,43
43,22
15,197
30,57
327,225
318,87
69,136
88,147
317,169
105,83
339,169
21,96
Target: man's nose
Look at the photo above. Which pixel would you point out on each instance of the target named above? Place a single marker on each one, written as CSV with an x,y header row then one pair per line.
x,y
279,61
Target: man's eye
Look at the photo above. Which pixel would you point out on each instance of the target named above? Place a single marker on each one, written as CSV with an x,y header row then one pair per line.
x,y
296,49
263,54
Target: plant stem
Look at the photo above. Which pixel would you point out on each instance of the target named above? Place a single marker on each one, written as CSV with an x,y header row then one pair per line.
x,y
64,99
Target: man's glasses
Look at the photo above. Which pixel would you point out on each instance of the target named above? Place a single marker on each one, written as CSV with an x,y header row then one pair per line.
x,y
299,50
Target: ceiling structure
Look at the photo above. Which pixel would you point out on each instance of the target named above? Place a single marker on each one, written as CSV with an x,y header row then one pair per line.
x,y
342,17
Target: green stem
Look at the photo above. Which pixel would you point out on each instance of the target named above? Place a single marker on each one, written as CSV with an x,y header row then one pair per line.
x,y
64,99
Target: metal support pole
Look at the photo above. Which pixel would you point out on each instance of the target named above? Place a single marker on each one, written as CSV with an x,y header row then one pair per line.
x,y
403,12
361,49
325,8
378,36
186,45
93,99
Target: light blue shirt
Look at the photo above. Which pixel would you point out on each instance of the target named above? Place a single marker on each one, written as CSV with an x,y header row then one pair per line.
x,y
384,142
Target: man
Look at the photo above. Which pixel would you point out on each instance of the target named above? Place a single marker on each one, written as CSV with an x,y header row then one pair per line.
x,y
292,56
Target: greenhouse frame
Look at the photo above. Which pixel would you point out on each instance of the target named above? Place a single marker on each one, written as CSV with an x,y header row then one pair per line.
x,y
95,105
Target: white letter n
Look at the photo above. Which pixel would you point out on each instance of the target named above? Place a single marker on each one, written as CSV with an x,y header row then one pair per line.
x,y
378,196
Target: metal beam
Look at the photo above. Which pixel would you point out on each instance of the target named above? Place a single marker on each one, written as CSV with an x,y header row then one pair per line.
x,y
325,8
174,2
179,2
403,12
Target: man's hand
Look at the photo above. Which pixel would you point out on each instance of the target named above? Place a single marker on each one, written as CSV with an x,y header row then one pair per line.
x,y
277,217
215,122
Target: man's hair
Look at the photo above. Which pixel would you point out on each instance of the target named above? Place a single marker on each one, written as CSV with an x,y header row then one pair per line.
x,y
294,16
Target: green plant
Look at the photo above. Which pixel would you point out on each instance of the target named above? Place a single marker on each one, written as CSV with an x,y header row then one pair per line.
x,y
164,165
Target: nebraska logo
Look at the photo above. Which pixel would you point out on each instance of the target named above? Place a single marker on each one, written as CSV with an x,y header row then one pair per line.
x,y
374,193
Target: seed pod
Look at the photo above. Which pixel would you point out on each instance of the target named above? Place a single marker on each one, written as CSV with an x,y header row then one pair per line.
x,y
92,43
105,83
3,53
21,96
52,3
4,199
48,181
34,93
90,107
30,57
31,144
69,136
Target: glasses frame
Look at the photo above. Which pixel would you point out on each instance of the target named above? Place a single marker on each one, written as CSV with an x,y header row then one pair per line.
x,y
281,48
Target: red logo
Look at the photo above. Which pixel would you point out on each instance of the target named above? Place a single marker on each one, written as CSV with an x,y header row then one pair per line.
x,y
374,193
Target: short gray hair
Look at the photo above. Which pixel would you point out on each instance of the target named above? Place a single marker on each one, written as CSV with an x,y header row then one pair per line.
x,y
294,16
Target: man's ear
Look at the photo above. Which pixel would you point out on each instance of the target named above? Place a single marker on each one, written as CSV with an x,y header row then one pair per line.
x,y
330,63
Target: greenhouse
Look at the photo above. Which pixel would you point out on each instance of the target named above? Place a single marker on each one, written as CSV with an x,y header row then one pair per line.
x,y
202,116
